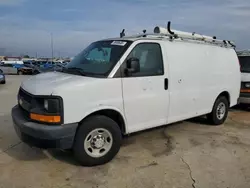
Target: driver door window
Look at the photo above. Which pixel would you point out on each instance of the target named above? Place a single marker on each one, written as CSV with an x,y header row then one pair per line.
x,y
150,58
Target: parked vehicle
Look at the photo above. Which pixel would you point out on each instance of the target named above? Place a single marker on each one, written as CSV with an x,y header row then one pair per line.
x,y
13,62
2,77
29,64
15,69
123,85
245,79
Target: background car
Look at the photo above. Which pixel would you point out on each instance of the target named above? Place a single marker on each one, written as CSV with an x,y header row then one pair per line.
x,y
2,77
16,69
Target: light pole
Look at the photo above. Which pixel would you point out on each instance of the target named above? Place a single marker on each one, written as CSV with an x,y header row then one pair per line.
x,y
52,46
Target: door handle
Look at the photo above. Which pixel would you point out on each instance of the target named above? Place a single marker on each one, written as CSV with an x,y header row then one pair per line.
x,y
166,84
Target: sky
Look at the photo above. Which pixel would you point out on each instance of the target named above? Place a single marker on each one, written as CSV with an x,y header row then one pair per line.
x,y
26,26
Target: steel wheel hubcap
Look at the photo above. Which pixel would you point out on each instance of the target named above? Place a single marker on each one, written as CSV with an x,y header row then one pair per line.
x,y
221,111
98,142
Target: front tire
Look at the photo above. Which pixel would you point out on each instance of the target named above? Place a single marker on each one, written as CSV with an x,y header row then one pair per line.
x,y
220,111
35,72
97,141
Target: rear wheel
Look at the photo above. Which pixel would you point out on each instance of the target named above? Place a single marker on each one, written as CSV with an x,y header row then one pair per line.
x,y
19,72
220,111
97,141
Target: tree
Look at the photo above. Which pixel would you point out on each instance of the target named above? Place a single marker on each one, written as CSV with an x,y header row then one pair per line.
x,y
26,56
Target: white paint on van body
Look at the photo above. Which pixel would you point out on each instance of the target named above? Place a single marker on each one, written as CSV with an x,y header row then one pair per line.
x,y
197,74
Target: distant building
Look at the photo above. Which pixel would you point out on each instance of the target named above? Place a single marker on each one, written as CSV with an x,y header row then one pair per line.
x,y
2,58
12,58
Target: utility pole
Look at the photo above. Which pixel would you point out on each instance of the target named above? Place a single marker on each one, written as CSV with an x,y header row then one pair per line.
x,y
52,47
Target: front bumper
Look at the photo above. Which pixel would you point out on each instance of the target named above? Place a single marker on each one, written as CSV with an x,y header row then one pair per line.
x,y
41,135
245,98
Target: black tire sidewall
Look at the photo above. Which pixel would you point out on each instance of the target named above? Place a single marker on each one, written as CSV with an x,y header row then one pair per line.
x,y
213,117
85,128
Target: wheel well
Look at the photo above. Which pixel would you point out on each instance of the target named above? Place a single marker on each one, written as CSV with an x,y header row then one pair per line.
x,y
112,114
225,94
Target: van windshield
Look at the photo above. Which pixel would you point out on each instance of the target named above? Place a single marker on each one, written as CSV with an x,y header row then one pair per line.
x,y
245,64
98,59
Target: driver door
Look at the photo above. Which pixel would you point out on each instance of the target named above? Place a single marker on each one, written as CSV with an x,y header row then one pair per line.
x,y
145,93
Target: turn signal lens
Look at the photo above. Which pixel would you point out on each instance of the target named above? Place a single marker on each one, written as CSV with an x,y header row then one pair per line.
x,y
44,118
245,90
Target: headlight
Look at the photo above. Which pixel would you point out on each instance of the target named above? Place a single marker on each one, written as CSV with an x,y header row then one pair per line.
x,y
52,105
46,104
48,110
247,85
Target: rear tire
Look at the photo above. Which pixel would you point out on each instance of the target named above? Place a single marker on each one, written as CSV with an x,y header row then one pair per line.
x,y
97,141
220,111
19,72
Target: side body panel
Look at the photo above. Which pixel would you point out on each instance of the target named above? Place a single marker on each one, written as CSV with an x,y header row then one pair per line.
x,y
198,74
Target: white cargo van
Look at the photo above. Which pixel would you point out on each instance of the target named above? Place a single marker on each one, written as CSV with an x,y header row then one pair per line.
x,y
245,79
123,85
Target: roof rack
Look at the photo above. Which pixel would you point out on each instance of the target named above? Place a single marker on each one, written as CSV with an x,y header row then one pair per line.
x,y
162,32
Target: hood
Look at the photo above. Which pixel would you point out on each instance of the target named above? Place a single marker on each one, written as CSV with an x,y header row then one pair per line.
x,y
245,77
47,83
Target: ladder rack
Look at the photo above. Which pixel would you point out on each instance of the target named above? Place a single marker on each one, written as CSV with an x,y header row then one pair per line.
x,y
161,32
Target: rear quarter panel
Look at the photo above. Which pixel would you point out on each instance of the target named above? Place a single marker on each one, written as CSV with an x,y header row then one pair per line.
x,y
220,71
198,74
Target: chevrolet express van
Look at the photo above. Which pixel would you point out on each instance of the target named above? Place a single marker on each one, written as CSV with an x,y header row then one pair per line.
x,y
119,86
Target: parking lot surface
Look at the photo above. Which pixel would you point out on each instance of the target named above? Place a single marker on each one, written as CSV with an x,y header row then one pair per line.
x,y
185,154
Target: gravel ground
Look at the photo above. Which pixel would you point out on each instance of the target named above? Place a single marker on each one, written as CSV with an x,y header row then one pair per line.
x,y
185,154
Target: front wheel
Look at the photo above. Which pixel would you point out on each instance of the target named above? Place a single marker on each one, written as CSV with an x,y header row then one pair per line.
x,y
219,112
35,72
97,141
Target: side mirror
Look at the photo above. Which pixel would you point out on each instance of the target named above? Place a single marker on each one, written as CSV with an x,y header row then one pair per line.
x,y
133,66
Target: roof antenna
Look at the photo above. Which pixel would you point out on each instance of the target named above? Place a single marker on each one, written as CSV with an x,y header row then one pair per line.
x,y
122,34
